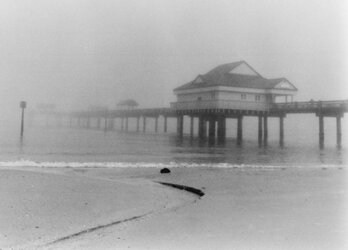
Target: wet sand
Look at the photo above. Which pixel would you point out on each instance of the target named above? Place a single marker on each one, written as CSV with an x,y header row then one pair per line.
x,y
282,208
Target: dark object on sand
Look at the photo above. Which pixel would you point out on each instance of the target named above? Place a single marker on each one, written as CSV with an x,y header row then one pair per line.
x,y
196,191
165,171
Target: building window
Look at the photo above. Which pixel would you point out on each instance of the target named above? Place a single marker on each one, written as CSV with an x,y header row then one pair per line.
x,y
199,99
243,96
212,95
257,98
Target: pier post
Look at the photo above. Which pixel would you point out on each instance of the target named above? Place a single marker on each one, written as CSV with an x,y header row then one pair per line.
x,y
88,123
239,129
111,123
165,124
212,127
338,130
265,129
105,124
221,128
321,130
202,127
260,129
138,120
180,125
126,123
281,130
144,124
191,126
122,123
78,122
156,124
98,123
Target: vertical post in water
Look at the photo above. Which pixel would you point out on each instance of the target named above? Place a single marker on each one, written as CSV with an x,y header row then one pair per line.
x,y
212,127
191,126
165,124
22,105
180,125
138,118
321,131
281,130
239,129
144,123
265,129
221,130
260,129
156,124
338,130
126,123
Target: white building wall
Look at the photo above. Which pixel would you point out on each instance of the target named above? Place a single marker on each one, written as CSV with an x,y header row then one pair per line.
x,y
220,95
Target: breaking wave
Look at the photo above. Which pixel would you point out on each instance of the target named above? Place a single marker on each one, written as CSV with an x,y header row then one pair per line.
x,y
61,164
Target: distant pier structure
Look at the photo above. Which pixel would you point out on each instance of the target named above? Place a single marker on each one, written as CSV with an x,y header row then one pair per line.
x,y
229,91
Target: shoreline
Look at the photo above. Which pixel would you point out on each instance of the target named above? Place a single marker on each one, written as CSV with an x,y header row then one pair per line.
x,y
241,208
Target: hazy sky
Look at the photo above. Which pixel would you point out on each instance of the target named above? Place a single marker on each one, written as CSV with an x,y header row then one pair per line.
x,y
80,52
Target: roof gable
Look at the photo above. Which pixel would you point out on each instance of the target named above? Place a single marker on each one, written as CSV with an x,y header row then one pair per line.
x,y
243,69
285,84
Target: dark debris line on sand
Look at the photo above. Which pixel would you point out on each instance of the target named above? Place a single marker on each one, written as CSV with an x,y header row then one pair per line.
x,y
89,230
186,188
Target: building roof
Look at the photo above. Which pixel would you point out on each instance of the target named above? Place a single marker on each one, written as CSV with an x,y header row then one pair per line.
x,y
228,75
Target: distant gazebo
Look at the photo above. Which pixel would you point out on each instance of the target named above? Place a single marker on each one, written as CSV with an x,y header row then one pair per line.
x,y
127,104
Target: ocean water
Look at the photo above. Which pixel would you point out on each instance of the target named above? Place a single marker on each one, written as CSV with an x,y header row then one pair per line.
x,y
71,147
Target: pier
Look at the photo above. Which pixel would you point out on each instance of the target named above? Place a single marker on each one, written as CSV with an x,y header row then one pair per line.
x,y
229,91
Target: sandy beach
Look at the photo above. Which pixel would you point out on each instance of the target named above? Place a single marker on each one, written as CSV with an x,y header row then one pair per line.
x,y
126,208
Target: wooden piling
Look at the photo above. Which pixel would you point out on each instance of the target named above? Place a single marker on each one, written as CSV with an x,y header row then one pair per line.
x,y
126,123
221,128
138,120
321,130
260,129
202,127
156,124
212,127
338,130
265,129
165,124
180,125
239,129
191,126
281,130
144,124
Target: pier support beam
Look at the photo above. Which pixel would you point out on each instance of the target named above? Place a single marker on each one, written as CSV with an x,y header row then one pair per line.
x,y
212,127
122,123
111,123
156,124
338,130
138,120
105,124
126,123
180,125
191,126
221,128
239,129
202,127
281,130
144,124
165,124
265,129
260,129
98,122
321,131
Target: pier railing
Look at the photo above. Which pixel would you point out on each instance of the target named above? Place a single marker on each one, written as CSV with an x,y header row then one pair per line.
x,y
220,104
310,107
